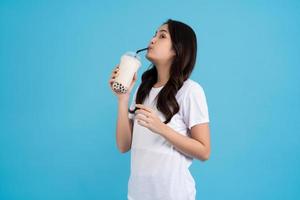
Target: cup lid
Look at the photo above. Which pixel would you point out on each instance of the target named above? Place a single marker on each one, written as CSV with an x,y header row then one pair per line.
x,y
133,54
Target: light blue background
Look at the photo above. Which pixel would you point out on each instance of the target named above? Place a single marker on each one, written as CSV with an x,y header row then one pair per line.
x,y
58,115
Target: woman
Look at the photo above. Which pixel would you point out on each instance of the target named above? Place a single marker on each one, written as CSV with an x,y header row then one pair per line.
x,y
168,123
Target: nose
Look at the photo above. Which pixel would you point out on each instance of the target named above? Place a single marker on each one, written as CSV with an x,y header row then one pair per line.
x,y
153,40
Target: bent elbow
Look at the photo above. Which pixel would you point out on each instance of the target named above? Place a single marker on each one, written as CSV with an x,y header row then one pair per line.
x,y
124,150
205,156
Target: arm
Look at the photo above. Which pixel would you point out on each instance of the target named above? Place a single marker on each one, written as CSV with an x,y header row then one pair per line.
x,y
198,146
124,127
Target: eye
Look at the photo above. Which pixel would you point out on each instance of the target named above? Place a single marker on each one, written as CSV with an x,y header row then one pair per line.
x,y
162,36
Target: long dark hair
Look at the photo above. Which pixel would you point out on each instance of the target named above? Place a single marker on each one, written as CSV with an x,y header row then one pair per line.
x,y
184,42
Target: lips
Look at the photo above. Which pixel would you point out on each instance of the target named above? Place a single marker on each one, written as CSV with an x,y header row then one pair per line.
x,y
149,48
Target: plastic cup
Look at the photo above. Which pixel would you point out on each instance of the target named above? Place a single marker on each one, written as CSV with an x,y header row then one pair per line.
x,y
129,64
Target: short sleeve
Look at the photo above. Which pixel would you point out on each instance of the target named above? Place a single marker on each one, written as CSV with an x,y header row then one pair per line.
x,y
132,104
195,109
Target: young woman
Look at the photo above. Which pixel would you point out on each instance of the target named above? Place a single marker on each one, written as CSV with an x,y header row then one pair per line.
x,y
167,124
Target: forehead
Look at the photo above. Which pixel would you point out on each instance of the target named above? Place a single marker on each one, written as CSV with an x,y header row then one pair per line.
x,y
163,28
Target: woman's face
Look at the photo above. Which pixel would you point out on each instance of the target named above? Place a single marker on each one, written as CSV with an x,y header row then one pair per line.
x,y
160,47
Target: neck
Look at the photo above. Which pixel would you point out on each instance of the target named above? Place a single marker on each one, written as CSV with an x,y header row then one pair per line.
x,y
163,74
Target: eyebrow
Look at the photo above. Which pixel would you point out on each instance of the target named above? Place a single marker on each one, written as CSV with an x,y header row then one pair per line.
x,y
162,31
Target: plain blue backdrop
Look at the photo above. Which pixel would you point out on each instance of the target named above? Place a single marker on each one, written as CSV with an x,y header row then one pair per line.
x,y
58,114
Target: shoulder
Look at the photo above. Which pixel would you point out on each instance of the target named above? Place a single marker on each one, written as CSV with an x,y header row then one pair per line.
x,y
190,87
193,84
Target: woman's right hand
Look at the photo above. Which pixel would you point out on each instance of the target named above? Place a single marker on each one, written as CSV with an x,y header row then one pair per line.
x,y
121,96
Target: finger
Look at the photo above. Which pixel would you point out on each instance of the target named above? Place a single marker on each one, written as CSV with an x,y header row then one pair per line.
x,y
143,123
142,113
115,69
144,107
134,79
115,72
145,113
115,75
111,81
132,83
142,117
131,86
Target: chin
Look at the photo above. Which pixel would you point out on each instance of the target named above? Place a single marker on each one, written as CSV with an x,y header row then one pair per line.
x,y
152,59
149,57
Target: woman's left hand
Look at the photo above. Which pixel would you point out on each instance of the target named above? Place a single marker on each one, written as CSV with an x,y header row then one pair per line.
x,y
148,118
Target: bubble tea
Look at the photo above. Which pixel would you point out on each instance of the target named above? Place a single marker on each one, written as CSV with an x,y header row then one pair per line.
x,y
130,63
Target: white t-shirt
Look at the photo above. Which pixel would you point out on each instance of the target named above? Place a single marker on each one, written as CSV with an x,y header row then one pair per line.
x,y
158,170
